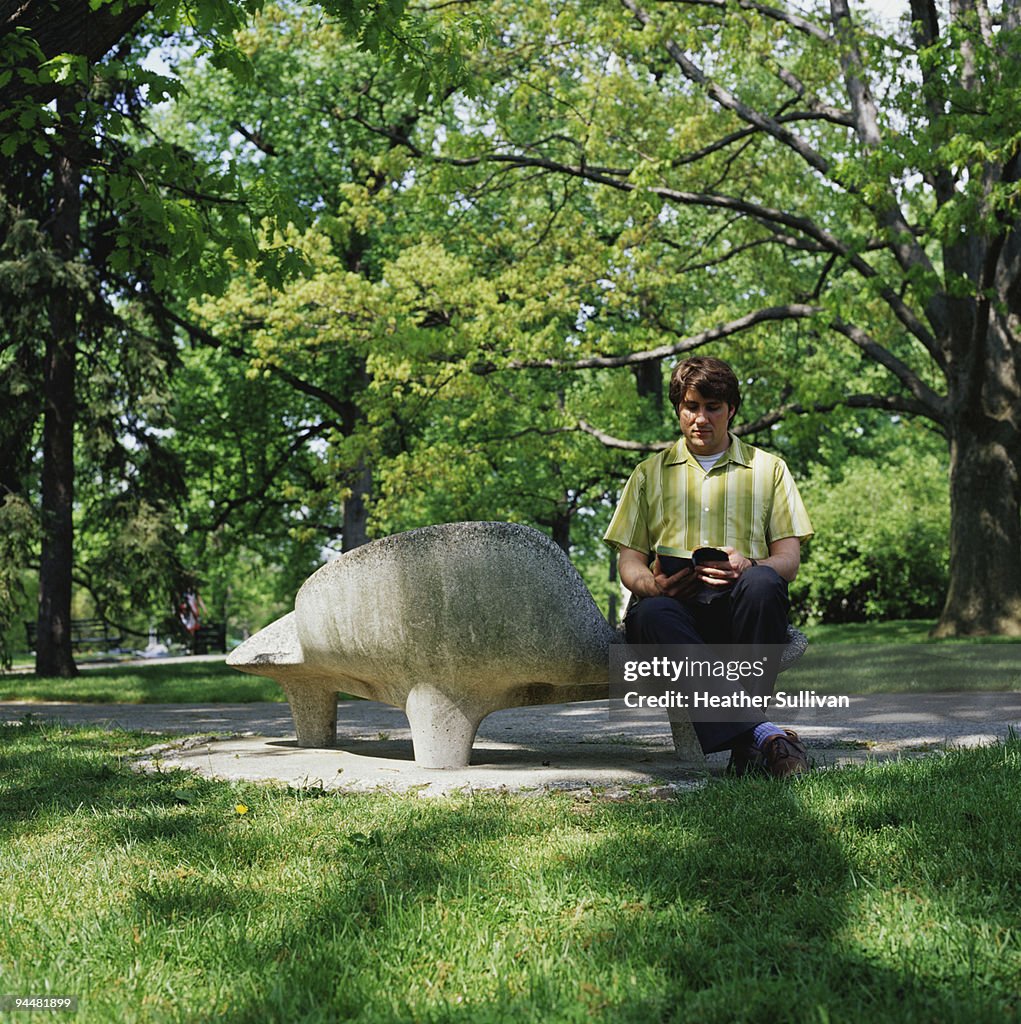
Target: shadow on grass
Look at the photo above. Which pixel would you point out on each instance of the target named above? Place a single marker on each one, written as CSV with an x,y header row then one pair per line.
x,y
878,893
739,903
49,771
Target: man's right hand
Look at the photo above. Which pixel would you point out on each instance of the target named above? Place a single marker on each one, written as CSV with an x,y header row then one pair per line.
x,y
644,580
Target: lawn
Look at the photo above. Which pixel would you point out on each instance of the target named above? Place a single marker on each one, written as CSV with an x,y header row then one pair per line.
x,y
900,657
882,893
200,682
893,631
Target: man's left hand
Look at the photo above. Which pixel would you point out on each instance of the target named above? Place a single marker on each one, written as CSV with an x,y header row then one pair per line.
x,y
723,574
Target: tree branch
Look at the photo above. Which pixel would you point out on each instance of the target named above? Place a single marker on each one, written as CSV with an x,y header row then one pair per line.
x,y
337,405
790,312
935,404
729,101
817,110
228,506
901,238
766,214
255,138
829,114
887,403
925,33
609,441
809,28
887,210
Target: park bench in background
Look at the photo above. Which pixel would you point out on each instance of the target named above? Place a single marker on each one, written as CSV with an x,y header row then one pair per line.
x,y
85,633
98,634
209,639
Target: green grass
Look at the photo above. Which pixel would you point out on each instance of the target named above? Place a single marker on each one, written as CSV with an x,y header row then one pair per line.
x,y
897,631
901,657
882,893
892,631
180,683
905,668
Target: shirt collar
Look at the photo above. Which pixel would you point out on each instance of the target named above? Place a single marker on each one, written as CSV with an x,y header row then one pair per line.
x,y
737,451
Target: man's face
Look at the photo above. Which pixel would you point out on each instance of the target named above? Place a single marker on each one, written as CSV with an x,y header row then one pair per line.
x,y
704,422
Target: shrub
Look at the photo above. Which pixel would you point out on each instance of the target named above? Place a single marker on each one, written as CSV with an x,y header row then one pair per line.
x,y
880,548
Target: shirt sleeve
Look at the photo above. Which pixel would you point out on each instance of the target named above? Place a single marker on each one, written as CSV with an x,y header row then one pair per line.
x,y
629,527
788,517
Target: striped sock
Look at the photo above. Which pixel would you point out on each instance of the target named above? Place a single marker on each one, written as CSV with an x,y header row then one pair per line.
x,y
765,731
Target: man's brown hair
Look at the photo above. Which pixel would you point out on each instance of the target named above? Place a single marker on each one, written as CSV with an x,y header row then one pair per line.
x,y
713,378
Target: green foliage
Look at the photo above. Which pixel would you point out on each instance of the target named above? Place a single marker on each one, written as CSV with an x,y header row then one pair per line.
x,y
880,550
429,50
19,530
129,485
434,283
249,455
396,348
401,224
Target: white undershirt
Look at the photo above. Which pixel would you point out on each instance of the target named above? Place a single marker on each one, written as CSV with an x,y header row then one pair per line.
x,y
708,461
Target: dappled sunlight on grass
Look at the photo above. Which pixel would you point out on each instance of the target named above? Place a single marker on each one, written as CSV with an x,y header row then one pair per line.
x,y
883,892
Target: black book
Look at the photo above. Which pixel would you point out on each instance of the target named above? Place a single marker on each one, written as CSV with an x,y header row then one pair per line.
x,y
671,564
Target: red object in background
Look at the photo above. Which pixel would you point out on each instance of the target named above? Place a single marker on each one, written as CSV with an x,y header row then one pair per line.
x,y
190,610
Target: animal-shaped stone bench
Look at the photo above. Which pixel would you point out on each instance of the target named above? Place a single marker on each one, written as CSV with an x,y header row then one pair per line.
x,y
449,623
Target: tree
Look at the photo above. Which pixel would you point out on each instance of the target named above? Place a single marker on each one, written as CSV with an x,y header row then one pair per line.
x,y
116,211
379,342
792,167
99,199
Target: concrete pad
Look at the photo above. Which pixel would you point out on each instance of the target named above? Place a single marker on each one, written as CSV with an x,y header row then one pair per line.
x,y
392,769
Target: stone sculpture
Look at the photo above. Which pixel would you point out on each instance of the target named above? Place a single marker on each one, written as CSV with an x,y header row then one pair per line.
x,y
448,622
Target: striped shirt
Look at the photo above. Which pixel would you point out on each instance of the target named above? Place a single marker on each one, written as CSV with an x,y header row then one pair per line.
x,y
746,501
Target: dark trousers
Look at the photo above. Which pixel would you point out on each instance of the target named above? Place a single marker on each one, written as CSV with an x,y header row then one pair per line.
x,y
753,612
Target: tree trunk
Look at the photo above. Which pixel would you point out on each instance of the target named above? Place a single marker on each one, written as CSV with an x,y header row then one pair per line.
x,y
649,381
984,430
984,596
355,510
81,27
53,640
561,530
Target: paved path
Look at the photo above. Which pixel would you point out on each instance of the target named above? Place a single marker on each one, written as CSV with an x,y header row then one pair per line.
x,y
564,746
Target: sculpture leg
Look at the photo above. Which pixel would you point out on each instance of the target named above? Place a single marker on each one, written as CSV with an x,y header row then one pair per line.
x,y
686,745
314,711
442,729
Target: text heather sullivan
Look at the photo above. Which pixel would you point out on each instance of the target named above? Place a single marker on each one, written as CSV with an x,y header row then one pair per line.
x,y
738,699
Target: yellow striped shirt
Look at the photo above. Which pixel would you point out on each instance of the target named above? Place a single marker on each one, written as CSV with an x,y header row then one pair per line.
x,y
746,501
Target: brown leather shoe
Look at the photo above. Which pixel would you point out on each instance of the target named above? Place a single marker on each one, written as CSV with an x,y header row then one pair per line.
x,y
785,755
746,759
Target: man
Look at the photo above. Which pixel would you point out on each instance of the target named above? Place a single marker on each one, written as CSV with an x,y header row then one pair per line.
x,y
712,490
